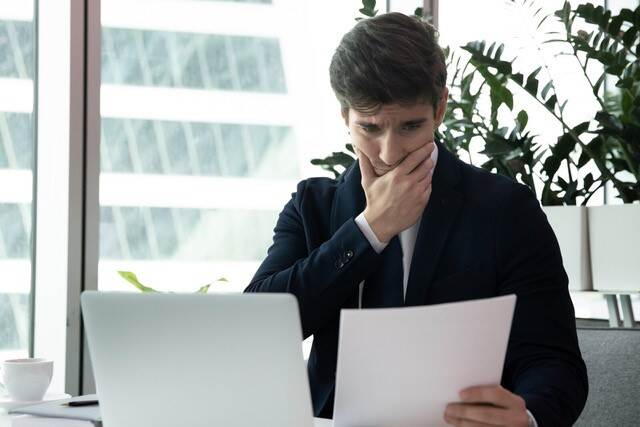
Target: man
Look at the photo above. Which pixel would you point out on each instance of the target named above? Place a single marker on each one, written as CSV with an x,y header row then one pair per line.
x,y
409,224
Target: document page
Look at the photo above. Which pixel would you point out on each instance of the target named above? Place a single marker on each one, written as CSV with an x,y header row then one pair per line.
x,y
402,366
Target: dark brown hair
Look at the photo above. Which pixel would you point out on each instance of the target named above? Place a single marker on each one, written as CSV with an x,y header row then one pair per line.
x,y
390,58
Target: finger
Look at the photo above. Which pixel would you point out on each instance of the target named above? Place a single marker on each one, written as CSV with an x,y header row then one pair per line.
x,y
451,421
414,159
459,422
366,169
486,414
423,170
426,189
423,184
493,394
410,163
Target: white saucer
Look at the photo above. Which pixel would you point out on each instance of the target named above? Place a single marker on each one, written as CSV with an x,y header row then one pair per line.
x,y
7,403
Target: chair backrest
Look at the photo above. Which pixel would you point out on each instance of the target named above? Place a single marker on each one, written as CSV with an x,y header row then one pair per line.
x,y
612,357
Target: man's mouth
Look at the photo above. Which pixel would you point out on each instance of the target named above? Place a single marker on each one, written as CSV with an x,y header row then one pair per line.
x,y
381,171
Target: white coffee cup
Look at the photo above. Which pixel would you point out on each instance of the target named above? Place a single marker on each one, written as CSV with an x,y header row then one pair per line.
x,y
27,379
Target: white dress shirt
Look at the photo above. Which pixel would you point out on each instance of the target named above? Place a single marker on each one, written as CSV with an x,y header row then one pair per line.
x,y
408,243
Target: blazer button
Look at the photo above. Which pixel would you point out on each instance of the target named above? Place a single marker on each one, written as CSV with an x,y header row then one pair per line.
x,y
349,254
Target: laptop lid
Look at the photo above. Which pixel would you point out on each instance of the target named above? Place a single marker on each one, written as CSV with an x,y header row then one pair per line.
x,y
197,360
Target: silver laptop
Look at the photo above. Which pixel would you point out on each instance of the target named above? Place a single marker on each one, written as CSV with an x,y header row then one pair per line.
x,y
197,360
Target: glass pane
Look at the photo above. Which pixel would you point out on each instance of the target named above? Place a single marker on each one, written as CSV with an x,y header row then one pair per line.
x,y
209,121
17,147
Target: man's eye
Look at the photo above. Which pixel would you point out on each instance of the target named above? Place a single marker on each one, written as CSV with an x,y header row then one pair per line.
x,y
413,126
369,129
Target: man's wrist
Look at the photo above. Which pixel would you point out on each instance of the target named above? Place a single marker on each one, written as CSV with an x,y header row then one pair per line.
x,y
376,227
365,228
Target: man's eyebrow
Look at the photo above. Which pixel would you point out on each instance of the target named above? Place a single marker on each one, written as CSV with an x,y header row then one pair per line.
x,y
415,121
408,122
364,123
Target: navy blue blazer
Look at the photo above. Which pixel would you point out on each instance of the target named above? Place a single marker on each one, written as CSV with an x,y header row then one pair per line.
x,y
481,235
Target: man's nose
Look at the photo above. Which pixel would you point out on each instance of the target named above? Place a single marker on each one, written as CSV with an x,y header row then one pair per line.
x,y
390,150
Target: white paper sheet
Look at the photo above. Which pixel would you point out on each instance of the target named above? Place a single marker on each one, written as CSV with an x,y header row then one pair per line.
x,y
401,366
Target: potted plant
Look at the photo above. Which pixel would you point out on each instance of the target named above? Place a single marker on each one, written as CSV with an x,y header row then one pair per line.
x,y
610,142
613,229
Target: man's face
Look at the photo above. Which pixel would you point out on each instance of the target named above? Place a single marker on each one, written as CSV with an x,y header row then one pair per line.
x,y
394,131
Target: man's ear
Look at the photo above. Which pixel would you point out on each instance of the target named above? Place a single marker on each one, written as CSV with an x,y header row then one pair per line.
x,y
442,106
345,116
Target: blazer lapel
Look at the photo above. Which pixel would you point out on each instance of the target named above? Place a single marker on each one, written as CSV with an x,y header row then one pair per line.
x,y
349,200
440,214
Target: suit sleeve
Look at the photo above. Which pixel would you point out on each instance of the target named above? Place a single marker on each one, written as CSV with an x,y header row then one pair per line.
x,y
322,278
543,362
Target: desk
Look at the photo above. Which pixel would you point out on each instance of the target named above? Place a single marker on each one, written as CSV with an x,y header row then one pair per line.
x,y
29,421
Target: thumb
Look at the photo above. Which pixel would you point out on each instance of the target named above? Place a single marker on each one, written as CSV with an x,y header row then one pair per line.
x,y
365,168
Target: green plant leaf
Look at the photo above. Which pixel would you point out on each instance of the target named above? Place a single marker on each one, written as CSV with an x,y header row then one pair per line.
x,y
546,89
203,289
609,121
368,12
532,82
542,21
489,52
583,160
549,197
564,146
629,37
564,104
581,128
133,279
523,119
551,102
588,181
559,152
368,8
614,26
598,83
570,192
496,146
518,78
369,4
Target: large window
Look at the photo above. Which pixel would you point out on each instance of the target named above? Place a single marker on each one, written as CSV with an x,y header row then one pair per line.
x,y
17,147
208,122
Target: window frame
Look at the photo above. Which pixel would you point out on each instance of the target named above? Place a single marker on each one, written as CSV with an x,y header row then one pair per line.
x,y
65,246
